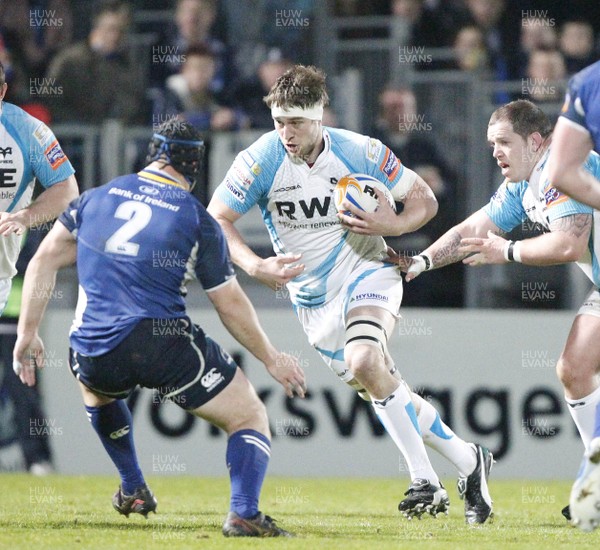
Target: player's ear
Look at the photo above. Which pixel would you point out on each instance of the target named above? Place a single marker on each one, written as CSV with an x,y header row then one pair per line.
x,y
535,141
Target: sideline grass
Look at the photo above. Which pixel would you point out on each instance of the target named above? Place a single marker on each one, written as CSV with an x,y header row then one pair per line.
x,y
65,512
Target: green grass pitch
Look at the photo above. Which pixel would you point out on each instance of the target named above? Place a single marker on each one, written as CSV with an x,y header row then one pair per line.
x,y
64,512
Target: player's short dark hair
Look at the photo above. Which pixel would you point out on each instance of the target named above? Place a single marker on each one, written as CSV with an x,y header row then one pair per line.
x,y
2,74
300,86
525,117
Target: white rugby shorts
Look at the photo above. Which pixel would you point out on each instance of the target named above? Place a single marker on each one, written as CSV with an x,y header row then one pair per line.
x,y
373,284
5,285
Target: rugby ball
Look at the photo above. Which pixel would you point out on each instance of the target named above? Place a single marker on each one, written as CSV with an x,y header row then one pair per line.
x,y
584,504
359,190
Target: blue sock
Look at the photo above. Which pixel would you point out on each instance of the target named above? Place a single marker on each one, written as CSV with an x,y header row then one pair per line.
x,y
597,425
248,453
114,425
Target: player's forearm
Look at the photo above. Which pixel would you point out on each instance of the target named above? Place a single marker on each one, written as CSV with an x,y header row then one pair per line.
x,y
240,252
444,251
239,317
38,286
49,205
415,215
559,246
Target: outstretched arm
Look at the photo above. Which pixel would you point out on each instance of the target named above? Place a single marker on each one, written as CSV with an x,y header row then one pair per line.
x,y
239,317
272,271
57,250
445,250
567,242
46,207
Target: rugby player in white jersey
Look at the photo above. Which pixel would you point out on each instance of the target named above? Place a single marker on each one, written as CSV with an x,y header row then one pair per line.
x,y
520,135
346,298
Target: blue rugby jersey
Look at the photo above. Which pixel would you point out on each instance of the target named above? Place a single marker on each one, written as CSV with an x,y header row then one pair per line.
x,y
140,238
582,102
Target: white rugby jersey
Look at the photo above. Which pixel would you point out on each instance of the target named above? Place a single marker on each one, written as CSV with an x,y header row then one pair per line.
x,y
539,201
28,149
298,209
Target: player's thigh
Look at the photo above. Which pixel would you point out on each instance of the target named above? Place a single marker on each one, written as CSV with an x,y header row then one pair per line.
x,y
383,317
93,399
236,407
582,349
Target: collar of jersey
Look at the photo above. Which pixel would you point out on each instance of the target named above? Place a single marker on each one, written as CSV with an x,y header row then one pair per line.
x,y
536,173
160,177
326,142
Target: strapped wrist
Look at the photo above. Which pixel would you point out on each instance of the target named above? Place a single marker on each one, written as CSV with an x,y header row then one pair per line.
x,y
427,260
512,251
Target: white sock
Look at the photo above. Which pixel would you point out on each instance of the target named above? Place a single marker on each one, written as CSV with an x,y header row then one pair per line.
x,y
583,412
397,414
442,439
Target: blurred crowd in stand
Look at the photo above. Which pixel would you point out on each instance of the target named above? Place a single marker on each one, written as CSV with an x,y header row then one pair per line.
x,y
212,61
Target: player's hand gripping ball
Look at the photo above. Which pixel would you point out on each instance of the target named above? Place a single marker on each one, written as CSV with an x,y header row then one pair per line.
x,y
359,190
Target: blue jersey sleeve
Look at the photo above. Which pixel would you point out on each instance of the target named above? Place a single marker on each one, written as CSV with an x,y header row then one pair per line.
x,y
213,264
582,101
70,218
505,208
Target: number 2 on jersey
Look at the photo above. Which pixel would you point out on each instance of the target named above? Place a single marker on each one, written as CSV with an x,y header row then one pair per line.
x,y
138,216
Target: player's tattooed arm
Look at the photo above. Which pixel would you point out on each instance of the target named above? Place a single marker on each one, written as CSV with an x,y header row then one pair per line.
x,y
448,253
445,250
577,226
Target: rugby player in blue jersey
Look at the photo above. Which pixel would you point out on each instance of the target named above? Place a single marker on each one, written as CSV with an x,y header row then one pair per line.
x,y
118,338
577,132
345,297
520,135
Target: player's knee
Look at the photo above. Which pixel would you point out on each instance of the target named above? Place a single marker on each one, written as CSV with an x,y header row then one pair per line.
x,y
364,361
573,374
366,347
563,372
253,416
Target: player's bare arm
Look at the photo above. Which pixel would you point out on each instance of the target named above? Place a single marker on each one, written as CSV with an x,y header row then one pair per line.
x,y
445,250
56,251
571,145
273,271
420,206
46,207
566,242
239,317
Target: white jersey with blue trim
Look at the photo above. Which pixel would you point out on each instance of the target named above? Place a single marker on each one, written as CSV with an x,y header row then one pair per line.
x,y
297,205
28,149
539,201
